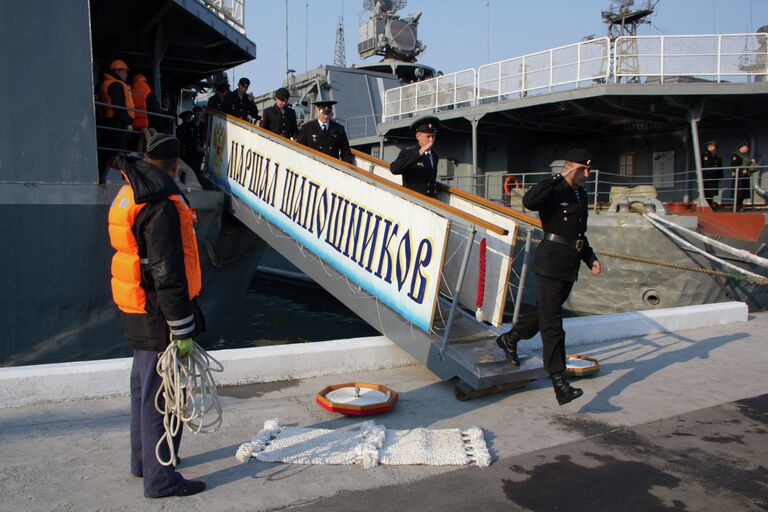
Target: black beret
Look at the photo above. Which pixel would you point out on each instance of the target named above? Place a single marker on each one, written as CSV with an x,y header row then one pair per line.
x,y
187,114
579,156
282,94
427,124
743,143
222,87
162,146
711,143
244,81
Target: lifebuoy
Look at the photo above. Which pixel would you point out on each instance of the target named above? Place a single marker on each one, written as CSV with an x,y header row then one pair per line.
x,y
510,179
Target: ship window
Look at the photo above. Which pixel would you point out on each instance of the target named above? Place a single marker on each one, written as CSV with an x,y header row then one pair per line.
x,y
628,164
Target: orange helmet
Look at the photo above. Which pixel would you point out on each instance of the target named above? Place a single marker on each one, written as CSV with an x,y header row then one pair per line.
x,y
138,77
118,64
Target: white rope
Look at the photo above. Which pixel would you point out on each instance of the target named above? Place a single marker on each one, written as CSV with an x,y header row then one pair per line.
x,y
189,395
753,258
704,253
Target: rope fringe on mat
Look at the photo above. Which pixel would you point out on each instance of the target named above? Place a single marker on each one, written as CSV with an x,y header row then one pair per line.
x,y
368,446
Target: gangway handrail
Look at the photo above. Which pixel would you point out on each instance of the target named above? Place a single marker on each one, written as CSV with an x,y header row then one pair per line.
x,y
447,210
480,201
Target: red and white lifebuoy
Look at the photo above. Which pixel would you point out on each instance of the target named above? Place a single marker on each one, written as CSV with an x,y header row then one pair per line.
x,y
508,182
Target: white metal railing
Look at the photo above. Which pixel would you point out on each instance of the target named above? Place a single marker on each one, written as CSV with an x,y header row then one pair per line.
x,y
360,126
638,59
545,71
681,186
696,57
448,91
232,11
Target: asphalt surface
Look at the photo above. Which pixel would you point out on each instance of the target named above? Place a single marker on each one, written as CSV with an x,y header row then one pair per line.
x,y
672,422
715,459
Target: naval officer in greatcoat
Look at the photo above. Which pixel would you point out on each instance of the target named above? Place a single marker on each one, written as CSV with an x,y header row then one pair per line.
x,y
562,205
418,163
326,135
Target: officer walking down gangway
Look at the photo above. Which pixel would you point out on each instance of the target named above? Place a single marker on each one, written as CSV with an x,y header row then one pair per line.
x,y
562,205
326,135
155,280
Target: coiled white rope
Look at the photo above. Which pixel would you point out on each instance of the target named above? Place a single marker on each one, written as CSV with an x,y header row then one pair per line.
x,y
189,395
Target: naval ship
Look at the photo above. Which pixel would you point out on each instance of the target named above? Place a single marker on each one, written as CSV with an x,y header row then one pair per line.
x,y
642,105
56,302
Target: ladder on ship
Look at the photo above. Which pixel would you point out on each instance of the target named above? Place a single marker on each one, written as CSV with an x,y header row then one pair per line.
x,y
410,266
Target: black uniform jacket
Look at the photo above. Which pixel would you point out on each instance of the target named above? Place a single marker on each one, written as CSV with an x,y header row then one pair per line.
x,y
163,276
418,172
333,142
216,103
281,122
711,160
563,214
189,137
241,107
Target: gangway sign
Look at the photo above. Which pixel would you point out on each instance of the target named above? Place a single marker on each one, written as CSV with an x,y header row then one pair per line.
x,y
391,247
411,266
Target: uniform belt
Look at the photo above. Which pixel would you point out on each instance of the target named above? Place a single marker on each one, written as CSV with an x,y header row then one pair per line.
x,y
577,244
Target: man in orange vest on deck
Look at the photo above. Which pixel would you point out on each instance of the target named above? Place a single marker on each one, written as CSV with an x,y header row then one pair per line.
x,y
146,104
155,280
115,122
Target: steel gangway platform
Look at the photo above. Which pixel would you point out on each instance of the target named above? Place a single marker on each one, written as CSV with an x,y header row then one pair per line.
x,y
419,270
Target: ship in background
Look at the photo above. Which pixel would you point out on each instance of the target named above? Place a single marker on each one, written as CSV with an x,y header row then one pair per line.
x,y
642,105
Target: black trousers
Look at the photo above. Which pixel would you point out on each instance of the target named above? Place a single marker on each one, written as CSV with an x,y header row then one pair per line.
x,y
547,318
147,428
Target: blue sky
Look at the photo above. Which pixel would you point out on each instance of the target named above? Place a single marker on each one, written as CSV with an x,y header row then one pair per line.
x,y
460,34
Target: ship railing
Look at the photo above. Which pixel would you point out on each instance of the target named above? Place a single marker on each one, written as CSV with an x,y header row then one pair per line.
x,y
455,90
231,11
102,128
691,58
685,59
360,126
566,67
605,187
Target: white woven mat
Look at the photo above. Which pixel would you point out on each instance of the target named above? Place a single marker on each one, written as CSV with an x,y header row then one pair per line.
x,y
368,446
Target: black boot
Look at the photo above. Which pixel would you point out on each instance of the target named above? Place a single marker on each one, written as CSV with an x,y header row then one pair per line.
x,y
508,343
564,391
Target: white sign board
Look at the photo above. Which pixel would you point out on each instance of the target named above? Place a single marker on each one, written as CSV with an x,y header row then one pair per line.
x,y
390,247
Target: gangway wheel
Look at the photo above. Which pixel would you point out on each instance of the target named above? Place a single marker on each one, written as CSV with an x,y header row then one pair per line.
x,y
464,392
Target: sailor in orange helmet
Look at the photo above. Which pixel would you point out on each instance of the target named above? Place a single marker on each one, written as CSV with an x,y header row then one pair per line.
x,y
146,103
114,91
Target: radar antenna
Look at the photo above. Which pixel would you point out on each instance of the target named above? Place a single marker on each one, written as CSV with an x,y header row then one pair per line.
x,y
387,34
623,18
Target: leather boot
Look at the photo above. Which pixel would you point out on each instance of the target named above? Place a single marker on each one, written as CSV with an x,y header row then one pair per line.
x,y
508,343
564,391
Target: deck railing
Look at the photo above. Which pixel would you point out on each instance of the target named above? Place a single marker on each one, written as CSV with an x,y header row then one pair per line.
x,y
545,71
232,11
691,58
680,186
637,59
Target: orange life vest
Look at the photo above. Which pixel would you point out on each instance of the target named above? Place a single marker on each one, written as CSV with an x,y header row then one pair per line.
x,y
109,113
140,91
127,291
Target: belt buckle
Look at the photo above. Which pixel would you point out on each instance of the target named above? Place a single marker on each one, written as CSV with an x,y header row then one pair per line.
x,y
579,244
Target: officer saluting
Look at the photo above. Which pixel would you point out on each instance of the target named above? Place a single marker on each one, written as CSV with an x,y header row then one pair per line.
x,y
326,135
562,205
418,163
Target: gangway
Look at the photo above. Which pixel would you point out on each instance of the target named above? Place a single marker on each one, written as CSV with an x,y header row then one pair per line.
x,y
412,267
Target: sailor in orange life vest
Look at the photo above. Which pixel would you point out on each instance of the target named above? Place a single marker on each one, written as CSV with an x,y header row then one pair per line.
x,y
418,163
562,205
155,280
